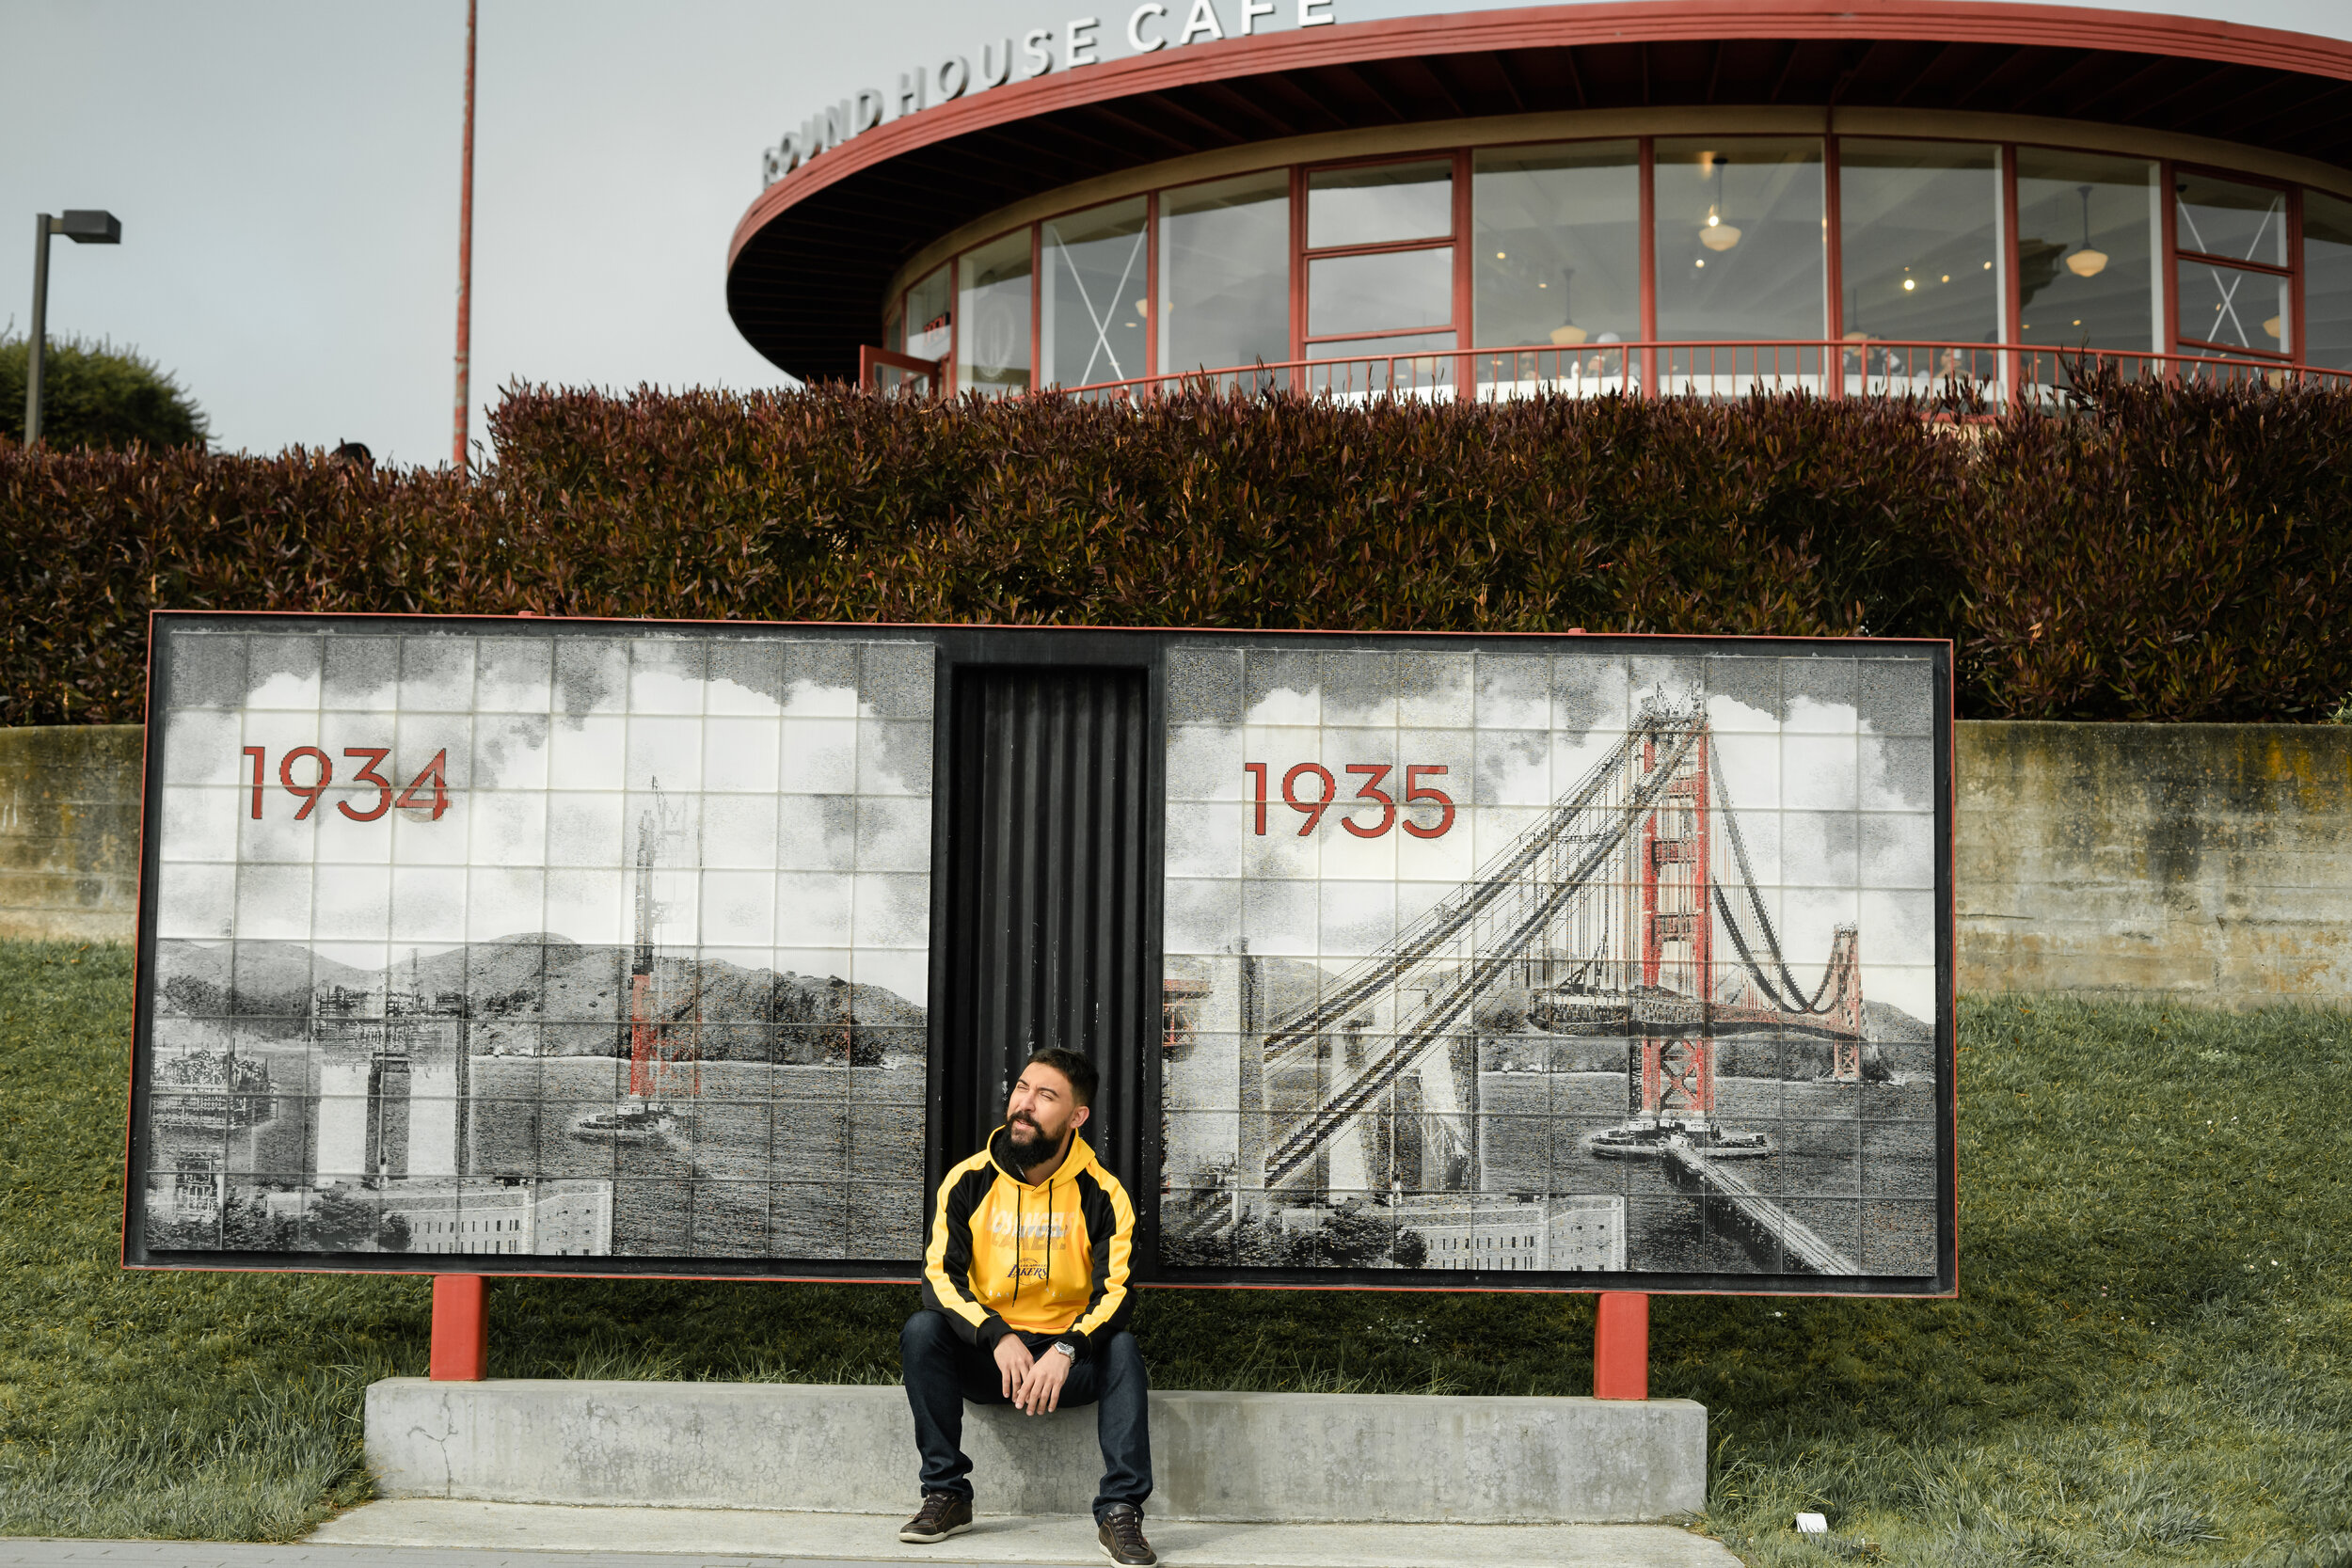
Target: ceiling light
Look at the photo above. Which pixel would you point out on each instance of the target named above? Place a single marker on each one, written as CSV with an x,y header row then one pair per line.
x,y
1500,257
1568,334
1945,279
2087,262
1715,234
1701,261
1908,285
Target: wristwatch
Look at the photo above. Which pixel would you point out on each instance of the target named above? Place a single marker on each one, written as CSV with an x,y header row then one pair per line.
x,y
1066,1348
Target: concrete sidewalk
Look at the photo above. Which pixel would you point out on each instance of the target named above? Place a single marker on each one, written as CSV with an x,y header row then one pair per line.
x,y
524,1532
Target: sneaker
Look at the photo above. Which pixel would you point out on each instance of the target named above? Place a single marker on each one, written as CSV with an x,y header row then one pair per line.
x,y
944,1515
1121,1535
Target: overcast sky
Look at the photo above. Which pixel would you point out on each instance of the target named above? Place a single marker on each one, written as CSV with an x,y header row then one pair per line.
x,y
287,177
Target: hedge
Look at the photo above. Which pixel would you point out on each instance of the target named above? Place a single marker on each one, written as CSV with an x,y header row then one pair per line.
x,y
2170,553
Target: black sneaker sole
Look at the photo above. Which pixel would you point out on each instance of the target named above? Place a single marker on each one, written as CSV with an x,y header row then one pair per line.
x,y
914,1539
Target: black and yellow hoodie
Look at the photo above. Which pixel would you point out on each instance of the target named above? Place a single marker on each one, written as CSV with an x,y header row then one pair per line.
x,y
1049,1258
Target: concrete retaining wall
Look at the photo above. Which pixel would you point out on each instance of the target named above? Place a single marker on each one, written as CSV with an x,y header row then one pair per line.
x,y
70,832
1300,1458
2198,862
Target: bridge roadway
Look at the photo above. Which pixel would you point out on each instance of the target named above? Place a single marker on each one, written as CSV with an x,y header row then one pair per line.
x,y
1766,1223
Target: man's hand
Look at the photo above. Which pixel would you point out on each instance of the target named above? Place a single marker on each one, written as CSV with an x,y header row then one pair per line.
x,y
1041,1391
1013,1361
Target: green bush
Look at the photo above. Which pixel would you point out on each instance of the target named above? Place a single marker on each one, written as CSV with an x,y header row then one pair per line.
x,y
98,395
2173,553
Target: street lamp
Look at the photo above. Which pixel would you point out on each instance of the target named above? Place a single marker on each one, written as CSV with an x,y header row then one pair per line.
x,y
85,227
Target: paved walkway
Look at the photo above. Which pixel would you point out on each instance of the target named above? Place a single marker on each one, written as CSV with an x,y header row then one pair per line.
x,y
1012,1542
410,1533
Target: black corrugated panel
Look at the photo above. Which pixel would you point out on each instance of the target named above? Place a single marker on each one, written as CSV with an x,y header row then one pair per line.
x,y
1049,937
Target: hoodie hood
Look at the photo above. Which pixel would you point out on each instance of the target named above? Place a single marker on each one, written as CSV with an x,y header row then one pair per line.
x,y
1079,1160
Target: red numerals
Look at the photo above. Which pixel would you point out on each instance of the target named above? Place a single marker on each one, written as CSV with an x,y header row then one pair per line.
x,y
1372,791
440,787
306,773
308,794
1415,794
367,775
1324,790
1314,809
255,753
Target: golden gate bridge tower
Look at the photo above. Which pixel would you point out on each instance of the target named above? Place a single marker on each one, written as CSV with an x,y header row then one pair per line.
x,y
664,1033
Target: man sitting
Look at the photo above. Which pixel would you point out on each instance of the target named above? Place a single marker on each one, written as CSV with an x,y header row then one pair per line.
x,y
1025,1302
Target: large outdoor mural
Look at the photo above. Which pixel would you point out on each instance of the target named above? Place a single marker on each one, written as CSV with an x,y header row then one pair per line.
x,y
1531,960
576,947
503,940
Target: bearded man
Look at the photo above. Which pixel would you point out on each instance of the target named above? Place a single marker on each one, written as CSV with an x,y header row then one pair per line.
x,y
1025,1302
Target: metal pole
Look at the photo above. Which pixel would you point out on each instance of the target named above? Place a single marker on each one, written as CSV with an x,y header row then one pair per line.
x,y
38,344
461,1329
1621,1346
464,258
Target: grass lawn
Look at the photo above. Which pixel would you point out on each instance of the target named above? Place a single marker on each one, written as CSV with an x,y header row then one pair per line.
x,y
2150,1360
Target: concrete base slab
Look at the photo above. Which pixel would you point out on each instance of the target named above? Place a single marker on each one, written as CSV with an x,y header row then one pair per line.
x,y
1237,1457
1005,1541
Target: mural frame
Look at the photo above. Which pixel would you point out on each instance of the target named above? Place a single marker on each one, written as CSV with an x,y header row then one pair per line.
x,y
958,648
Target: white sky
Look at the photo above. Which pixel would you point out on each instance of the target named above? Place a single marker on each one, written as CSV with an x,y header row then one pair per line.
x,y
287,179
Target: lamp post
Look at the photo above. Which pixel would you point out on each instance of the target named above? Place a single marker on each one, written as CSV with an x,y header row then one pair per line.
x,y
86,226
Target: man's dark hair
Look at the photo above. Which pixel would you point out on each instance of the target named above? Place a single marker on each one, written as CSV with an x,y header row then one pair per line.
x,y
1081,1073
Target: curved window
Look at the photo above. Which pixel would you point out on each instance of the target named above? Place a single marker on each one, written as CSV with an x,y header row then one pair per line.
x,y
929,325
1091,300
1557,245
992,318
2090,233
1919,225
1225,273
1380,269
2232,240
2326,281
1739,240
1380,205
1521,266
1379,290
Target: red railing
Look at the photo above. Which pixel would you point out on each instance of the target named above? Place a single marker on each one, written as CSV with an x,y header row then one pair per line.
x,y
1957,376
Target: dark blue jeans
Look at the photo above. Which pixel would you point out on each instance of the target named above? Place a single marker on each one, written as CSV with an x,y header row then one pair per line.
x,y
941,1371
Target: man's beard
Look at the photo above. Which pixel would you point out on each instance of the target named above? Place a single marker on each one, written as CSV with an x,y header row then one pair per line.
x,y
1028,1153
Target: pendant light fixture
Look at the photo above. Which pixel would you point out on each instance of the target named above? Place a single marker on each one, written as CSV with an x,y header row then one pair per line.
x,y
1568,334
2087,262
1715,234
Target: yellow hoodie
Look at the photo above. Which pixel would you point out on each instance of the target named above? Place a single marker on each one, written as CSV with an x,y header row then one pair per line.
x,y
1050,1258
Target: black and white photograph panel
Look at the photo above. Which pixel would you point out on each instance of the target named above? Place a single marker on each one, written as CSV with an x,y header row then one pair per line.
x,y
1532,959
536,940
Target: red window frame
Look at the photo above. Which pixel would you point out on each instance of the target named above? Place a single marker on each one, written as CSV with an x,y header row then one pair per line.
x,y
1303,255
2291,212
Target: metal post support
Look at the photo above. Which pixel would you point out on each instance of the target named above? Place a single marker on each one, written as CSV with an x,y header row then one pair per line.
x,y
43,226
1620,1346
461,1329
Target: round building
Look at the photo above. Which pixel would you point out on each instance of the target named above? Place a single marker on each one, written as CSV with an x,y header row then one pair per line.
x,y
1685,196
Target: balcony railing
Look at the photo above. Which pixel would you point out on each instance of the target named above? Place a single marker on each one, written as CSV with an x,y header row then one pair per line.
x,y
1956,376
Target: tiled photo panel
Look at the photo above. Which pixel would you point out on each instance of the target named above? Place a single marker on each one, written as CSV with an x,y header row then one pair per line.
x,y
506,941
1533,956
